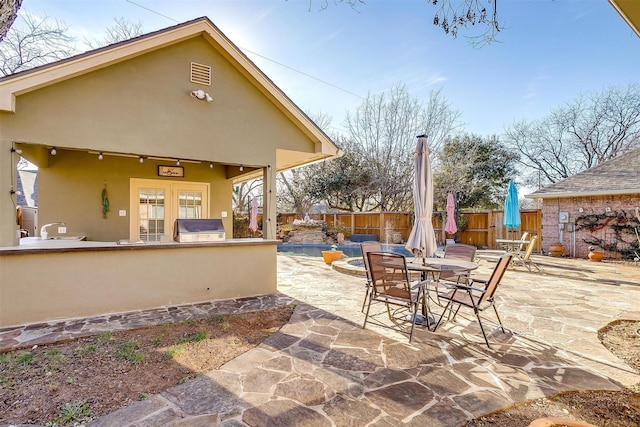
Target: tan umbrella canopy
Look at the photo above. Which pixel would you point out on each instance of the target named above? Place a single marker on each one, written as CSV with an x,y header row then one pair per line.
x,y
422,240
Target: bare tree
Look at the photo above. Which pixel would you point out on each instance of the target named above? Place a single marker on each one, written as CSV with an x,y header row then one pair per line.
x,y
385,126
292,192
324,4
578,135
454,14
34,41
123,29
293,187
242,192
8,14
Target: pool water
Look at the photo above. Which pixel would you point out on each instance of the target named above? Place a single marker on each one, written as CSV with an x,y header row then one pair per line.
x,y
348,250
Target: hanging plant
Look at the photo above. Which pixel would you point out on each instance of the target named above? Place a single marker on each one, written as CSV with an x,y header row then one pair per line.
x,y
105,201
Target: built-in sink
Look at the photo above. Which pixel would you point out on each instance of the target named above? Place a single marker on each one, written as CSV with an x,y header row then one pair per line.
x,y
67,238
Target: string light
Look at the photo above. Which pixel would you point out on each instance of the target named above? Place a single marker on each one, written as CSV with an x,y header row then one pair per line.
x,y
100,156
141,160
241,168
178,162
54,151
211,165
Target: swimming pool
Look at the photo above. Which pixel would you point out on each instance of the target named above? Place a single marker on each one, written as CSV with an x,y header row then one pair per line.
x,y
348,250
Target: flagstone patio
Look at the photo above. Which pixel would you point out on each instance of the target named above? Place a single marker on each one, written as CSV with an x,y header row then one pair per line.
x,y
322,368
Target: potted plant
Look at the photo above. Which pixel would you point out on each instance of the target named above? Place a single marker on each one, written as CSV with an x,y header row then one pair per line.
x,y
595,255
333,255
556,249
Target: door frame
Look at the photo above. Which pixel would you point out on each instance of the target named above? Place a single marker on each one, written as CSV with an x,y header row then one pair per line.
x,y
171,206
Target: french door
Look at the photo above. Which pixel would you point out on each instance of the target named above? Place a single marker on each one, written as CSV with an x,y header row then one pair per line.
x,y
156,204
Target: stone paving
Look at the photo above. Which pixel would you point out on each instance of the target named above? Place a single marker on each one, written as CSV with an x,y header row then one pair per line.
x,y
323,369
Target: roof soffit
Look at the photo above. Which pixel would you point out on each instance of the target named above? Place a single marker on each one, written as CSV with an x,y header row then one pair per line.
x,y
629,10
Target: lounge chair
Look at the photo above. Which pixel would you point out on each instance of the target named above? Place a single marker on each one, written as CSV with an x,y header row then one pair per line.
x,y
390,285
477,295
524,258
366,248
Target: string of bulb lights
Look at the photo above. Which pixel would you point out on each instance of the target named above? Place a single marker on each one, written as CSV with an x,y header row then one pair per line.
x,y
141,159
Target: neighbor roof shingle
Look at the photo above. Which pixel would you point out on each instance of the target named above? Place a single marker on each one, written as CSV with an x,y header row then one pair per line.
x,y
620,175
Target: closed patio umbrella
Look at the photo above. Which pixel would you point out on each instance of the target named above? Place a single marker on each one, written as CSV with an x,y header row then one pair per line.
x,y
253,223
422,239
511,207
451,227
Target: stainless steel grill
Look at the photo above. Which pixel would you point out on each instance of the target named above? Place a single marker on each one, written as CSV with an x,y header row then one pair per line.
x,y
198,230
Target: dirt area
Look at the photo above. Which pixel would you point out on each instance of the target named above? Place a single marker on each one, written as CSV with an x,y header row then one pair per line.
x,y
70,383
600,408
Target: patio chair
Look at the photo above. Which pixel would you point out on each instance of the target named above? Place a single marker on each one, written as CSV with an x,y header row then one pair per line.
x,y
453,251
476,298
457,251
390,285
366,248
524,238
524,258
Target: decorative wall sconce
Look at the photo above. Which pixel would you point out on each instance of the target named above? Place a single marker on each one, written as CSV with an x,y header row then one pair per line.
x,y
211,165
100,156
178,162
16,150
141,159
54,151
241,168
200,94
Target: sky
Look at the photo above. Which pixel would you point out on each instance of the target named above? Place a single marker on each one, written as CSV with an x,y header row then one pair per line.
x,y
327,61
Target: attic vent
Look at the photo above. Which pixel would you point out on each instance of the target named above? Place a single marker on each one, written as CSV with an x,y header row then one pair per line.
x,y
200,74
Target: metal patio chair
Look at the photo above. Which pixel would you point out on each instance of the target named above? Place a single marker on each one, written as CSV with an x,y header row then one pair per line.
x,y
390,285
367,247
477,295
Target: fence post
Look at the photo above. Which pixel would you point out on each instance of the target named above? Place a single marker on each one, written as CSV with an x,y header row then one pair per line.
x,y
491,232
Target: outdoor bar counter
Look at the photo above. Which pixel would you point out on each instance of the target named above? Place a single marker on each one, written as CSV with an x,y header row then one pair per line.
x,y
44,280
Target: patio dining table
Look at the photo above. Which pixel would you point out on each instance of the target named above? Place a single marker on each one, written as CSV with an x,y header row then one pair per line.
x,y
438,265
433,267
513,245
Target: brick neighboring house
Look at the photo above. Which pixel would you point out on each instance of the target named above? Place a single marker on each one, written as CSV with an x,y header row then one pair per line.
x,y
587,208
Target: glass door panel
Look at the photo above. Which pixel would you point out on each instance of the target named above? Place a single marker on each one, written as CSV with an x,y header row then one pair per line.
x,y
151,214
189,204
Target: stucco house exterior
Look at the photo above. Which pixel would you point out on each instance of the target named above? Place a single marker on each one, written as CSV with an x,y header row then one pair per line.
x,y
155,129
595,207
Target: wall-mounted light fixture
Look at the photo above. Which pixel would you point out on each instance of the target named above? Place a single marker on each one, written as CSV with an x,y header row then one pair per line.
x,y
141,159
54,151
100,156
16,150
241,168
178,162
200,94
211,165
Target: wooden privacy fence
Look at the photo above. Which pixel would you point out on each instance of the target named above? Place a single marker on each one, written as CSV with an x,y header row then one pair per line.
x,y
481,230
